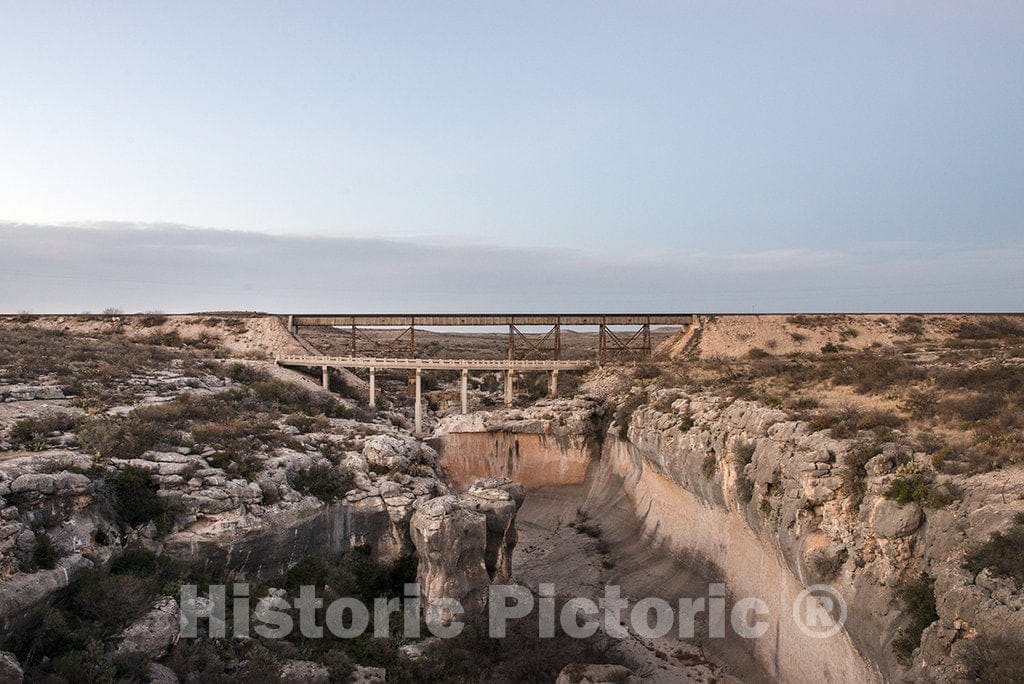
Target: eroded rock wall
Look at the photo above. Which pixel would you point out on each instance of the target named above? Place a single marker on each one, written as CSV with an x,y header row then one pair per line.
x,y
548,443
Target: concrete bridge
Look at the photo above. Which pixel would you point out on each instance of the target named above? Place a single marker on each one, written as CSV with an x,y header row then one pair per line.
x,y
509,367
612,344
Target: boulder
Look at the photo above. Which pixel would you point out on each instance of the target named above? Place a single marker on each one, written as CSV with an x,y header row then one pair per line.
x,y
391,451
891,519
31,393
367,675
161,674
153,633
39,483
304,672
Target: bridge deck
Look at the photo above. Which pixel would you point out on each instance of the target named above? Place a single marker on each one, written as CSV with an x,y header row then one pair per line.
x,y
431,364
363,320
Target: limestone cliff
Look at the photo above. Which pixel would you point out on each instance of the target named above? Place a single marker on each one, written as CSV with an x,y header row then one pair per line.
x,y
779,507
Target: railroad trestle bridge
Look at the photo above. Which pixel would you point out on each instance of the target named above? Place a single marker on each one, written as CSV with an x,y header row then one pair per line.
x,y
613,346
613,342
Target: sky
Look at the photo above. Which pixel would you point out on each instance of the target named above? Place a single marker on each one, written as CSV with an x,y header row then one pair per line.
x,y
519,156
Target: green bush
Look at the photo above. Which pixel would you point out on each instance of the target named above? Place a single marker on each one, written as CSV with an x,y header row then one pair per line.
x,y
624,412
911,325
855,473
305,423
848,422
710,466
44,553
325,482
743,454
918,487
918,598
1002,554
121,436
152,319
137,502
32,432
997,659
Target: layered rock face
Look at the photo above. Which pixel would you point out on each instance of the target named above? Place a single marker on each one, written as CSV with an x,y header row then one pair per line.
x,y
464,542
547,443
778,507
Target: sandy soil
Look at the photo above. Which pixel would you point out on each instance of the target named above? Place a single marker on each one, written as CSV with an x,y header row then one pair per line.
x,y
240,335
735,336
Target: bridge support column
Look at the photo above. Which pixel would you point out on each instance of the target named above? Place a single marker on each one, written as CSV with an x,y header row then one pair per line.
x,y
510,376
326,379
553,386
419,407
465,396
291,325
373,387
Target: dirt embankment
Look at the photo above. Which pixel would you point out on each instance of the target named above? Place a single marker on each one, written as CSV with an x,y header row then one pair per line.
x,y
735,336
245,335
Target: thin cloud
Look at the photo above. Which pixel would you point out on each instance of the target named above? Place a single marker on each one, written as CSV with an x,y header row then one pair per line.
x,y
138,267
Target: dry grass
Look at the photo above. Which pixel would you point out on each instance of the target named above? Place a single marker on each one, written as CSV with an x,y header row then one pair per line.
x,y
963,402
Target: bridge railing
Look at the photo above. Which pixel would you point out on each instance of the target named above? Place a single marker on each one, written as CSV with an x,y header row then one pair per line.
x,y
432,364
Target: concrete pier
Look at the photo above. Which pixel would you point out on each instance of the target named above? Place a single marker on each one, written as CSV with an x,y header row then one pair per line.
x,y
373,387
326,379
553,386
465,391
510,376
419,403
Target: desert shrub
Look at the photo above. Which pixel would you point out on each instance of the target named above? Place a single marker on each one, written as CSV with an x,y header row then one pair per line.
x,y
826,566
239,459
990,328
872,371
32,432
918,487
1002,554
625,410
757,353
918,597
911,325
44,553
137,502
65,642
829,348
325,482
151,319
308,423
849,421
710,466
647,371
996,659
976,407
291,397
121,436
743,454
171,338
855,473
920,404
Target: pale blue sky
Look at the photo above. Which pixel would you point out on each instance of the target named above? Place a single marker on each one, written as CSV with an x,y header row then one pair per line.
x,y
771,133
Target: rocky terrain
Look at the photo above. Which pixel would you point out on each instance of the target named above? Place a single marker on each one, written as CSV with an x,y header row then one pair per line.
x,y
134,460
